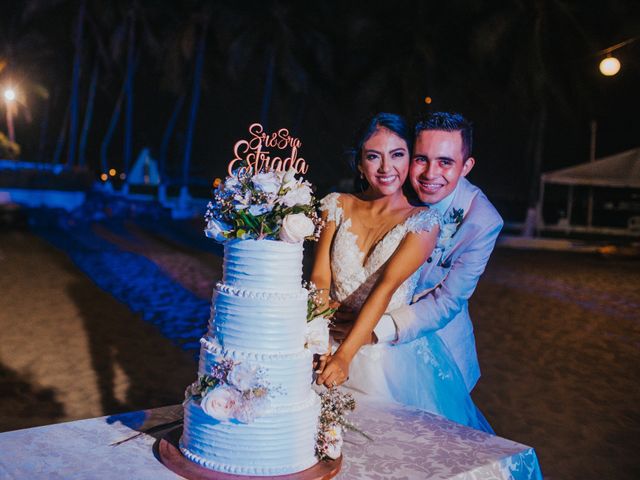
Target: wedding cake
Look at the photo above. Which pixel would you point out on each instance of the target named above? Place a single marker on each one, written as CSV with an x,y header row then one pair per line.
x,y
259,324
252,410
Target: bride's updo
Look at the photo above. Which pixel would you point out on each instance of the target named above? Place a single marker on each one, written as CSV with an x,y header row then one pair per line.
x,y
392,122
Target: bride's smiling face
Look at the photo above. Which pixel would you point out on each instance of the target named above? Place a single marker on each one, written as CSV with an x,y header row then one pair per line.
x,y
384,162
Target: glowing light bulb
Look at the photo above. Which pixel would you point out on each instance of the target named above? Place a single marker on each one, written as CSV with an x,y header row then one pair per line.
x,y
609,66
428,100
112,172
9,94
104,177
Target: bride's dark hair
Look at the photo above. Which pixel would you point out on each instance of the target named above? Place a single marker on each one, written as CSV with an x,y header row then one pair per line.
x,y
391,121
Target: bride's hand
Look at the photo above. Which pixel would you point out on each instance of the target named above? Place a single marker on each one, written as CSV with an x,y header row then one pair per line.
x,y
335,370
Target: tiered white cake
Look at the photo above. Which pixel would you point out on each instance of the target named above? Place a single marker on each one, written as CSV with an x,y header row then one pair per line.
x,y
259,318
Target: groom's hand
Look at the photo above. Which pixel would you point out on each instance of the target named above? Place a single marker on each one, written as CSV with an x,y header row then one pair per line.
x,y
342,325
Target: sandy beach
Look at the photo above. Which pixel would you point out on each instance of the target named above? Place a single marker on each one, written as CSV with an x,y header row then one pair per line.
x,y
558,338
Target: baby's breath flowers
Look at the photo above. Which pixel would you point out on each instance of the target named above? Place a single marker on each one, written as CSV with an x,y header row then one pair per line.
x,y
335,406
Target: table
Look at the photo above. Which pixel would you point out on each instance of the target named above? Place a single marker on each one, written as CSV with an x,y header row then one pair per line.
x,y
407,444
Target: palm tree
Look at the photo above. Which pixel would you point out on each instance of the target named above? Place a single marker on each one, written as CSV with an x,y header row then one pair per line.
x,y
75,84
286,39
533,35
24,56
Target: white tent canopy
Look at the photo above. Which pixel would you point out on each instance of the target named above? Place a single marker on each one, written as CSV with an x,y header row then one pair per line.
x,y
145,170
621,170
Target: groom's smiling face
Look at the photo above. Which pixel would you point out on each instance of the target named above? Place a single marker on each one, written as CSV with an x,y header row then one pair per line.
x,y
437,164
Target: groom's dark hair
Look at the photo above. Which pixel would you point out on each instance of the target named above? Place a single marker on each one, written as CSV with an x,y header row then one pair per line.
x,y
449,122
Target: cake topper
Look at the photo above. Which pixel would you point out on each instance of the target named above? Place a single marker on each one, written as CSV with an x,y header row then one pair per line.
x,y
254,155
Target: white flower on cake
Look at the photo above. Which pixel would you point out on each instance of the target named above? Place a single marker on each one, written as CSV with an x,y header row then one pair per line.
x,y
242,201
268,182
296,227
231,183
300,194
288,178
317,335
256,210
243,376
334,439
230,390
221,402
251,408
216,229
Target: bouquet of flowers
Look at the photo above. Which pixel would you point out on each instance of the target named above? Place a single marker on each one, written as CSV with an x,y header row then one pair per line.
x,y
265,205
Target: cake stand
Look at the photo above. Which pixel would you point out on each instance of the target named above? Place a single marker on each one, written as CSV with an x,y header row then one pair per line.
x,y
170,455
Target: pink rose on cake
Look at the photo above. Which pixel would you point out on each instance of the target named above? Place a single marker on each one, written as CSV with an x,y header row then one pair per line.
x,y
221,402
296,227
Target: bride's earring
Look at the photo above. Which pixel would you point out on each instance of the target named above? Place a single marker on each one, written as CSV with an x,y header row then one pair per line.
x,y
361,176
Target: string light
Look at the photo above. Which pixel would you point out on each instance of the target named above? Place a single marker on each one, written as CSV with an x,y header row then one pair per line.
x,y
609,66
9,94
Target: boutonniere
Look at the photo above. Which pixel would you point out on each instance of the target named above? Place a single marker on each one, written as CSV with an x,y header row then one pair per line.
x,y
448,229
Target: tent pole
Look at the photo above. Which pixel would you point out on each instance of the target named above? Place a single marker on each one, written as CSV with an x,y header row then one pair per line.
x,y
569,207
539,207
592,158
590,209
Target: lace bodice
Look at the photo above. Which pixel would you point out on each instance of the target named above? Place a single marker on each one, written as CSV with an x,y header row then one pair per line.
x,y
353,276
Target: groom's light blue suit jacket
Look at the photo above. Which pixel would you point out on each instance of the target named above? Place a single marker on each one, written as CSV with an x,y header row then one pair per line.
x,y
440,301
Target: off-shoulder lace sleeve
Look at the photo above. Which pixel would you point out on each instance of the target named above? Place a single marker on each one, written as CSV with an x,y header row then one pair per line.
x,y
330,204
423,221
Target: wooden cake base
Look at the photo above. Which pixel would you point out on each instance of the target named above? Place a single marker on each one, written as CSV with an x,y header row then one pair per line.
x,y
172,458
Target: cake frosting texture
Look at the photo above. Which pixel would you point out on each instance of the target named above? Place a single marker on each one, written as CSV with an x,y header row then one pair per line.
x,y
258,318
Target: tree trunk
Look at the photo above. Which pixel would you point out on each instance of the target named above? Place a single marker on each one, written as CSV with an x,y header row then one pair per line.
x,y
75,87
61,136
88,115
128,118
268,88
166,138
104,146
44,127
195,100
533,209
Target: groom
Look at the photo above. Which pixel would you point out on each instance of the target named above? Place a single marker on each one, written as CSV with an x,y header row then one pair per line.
x,y
441,159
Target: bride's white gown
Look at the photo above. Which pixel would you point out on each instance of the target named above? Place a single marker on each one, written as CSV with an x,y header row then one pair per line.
x,y
421,373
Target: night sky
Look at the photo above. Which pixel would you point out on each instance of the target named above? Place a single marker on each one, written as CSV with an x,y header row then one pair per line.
x,y
501,63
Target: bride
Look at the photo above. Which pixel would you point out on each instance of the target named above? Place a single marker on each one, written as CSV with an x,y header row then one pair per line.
x,y
369,258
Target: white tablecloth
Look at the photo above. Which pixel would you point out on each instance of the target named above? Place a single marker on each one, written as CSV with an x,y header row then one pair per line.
x,y
408,444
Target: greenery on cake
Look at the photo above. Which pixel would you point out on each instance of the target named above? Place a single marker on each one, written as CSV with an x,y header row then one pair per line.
x,y
266,205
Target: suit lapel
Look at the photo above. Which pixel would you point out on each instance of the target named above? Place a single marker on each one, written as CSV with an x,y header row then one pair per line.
x,y
462,199
465,194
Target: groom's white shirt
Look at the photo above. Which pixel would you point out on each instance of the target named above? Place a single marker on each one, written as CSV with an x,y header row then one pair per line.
x,y
448,279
